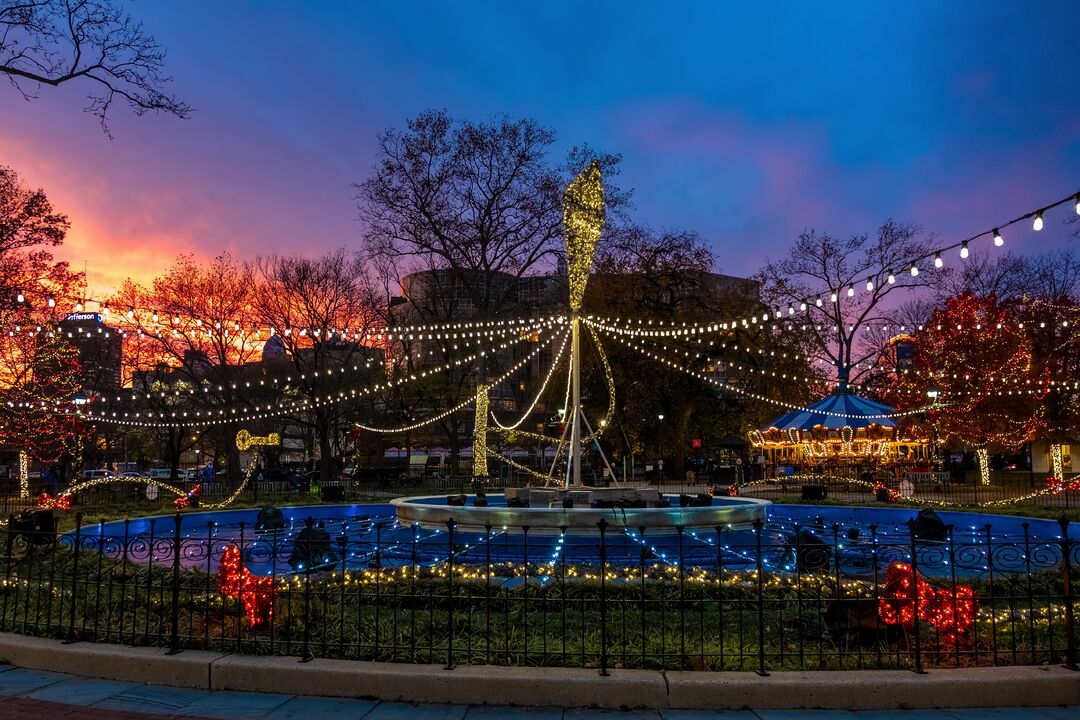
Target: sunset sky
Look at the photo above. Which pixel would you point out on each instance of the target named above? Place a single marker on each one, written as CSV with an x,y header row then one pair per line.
x,y
745,125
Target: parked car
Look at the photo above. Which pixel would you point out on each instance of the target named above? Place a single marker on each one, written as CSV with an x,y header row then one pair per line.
x,y
96,474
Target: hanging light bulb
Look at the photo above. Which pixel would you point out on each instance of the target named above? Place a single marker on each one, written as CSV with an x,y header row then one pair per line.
x,y
176,320
78,306
851,291
1078,203
998,240
914,270
20,298
131,313
105,309
869,284
964,250
790,309
155,317
818,302
1037,225
51,302
938,262
833,298
892,278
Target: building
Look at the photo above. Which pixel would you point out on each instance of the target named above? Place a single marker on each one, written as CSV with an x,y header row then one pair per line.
x,y
100,349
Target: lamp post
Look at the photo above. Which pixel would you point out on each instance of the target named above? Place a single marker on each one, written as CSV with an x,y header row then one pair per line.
x,y
660,448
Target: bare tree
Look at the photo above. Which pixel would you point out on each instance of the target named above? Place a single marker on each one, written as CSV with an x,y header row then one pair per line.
x,y
322,310
1004,277
52,42
850,279
472,198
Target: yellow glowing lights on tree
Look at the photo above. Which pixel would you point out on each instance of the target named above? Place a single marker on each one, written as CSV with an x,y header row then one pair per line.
x,y
583,218
24,475
480,451
982,459
1057,462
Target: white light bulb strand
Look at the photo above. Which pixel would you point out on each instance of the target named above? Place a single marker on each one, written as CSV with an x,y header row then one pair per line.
x,y
227,415
460,406
763,398
540,392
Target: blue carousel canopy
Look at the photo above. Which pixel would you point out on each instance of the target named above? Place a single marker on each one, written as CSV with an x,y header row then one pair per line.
x,y
836,411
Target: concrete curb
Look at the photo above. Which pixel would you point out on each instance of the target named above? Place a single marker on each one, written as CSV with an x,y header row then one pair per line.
x,y
566,687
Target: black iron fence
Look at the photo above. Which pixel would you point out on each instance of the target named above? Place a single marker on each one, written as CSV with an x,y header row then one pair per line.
x,y
763,598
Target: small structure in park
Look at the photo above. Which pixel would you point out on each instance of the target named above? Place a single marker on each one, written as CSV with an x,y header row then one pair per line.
x,y
843,429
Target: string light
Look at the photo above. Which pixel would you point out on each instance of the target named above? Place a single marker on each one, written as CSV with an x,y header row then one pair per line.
x,y
1037,224
1078,203
850,290
539,393
914,270
938,262
460,406
892,278
869,284
998,240
964,250
756,396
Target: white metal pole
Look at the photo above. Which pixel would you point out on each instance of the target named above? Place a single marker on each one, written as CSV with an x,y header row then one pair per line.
x,y
575,370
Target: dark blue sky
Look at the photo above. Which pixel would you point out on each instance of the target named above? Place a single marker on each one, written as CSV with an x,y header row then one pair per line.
x,y
744,124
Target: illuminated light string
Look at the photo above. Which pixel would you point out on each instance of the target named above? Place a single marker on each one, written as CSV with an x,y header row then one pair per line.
x,y
583,217
535,331
756,396
604,423
135,316
540,392
1043,385
460,406
229,415
206,386
692,330
1053,488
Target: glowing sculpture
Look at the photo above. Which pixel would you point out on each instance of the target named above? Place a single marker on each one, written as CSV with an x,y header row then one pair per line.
x,y
256,593
950,612
480,467
245,440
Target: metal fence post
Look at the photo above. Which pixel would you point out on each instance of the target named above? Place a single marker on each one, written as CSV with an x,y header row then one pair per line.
x,y
74,577
450,525
602,524
760,567
1067,594
174,631
306,655
915,598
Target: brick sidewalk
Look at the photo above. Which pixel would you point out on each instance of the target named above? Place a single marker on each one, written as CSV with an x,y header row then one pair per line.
x,y
18,708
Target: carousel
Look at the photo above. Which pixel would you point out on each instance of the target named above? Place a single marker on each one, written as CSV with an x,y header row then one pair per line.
x,y
841,430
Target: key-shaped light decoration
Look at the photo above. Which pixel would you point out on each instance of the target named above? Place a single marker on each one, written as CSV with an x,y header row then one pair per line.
x,y
246,441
